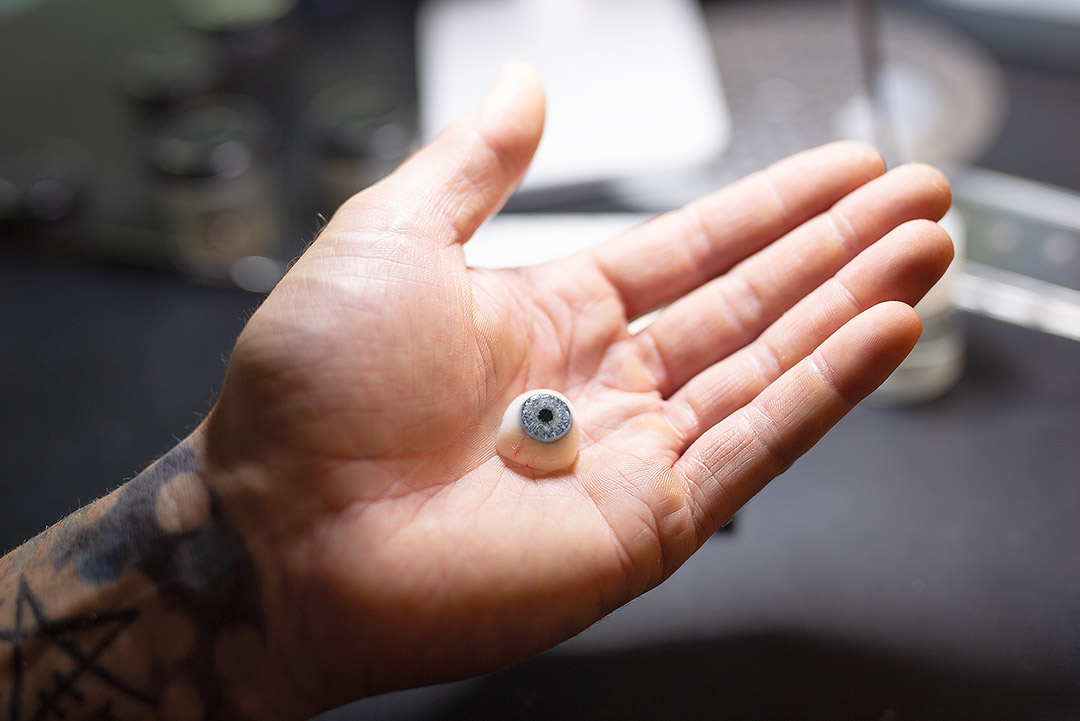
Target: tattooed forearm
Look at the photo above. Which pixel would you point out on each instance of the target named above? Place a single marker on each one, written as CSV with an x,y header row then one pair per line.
x,y
79,640
120,611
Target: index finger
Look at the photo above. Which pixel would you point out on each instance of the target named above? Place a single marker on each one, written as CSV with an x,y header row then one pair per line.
x,y
674,253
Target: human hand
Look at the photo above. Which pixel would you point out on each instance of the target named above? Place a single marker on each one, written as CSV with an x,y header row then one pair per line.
x,y
353,445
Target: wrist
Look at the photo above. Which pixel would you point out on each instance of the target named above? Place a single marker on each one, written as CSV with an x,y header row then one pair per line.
x,y
147,603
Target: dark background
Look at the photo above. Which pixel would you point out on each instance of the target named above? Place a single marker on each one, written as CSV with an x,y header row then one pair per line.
x,y
919,563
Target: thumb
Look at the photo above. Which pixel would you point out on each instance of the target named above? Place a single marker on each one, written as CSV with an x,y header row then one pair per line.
x,y
444,192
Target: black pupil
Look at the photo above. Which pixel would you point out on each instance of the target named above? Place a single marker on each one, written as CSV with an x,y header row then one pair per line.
x,y
545,415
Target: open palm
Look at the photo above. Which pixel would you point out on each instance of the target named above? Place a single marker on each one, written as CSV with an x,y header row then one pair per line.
x,y
357,424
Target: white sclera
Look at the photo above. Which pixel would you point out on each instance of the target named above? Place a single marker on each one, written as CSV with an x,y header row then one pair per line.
x,y
516,446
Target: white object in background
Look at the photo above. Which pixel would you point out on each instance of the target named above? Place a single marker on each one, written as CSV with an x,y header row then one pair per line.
x,y
936,363
632,85
1027,246
514,240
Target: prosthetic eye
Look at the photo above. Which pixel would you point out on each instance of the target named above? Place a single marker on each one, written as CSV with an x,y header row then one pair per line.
x,y
539,431
545,417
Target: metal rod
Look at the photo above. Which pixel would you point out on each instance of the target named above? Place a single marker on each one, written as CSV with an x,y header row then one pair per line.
x,y
871,62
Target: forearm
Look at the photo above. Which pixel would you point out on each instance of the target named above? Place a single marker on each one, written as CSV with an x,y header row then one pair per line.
x,y
145,604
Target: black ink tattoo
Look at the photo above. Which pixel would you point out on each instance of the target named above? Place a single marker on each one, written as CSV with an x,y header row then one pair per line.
x,y
130,538
204,574
203,568
62,634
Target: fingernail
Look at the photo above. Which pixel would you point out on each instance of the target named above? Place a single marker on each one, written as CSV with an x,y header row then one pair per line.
x,y
501,96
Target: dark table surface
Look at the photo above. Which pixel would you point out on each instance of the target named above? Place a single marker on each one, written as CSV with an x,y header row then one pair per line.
x,y
919,563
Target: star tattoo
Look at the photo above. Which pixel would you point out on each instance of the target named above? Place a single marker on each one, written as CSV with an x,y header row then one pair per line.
x,y
82,638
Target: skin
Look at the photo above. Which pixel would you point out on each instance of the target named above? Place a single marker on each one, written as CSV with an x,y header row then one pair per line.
x,y
340,525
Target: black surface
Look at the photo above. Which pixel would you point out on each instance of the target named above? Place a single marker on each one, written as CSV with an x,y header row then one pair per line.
x,y
923,562
1038,140
102,369
753,676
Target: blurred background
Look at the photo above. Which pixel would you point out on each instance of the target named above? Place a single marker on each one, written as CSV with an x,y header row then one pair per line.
x,y
161,163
